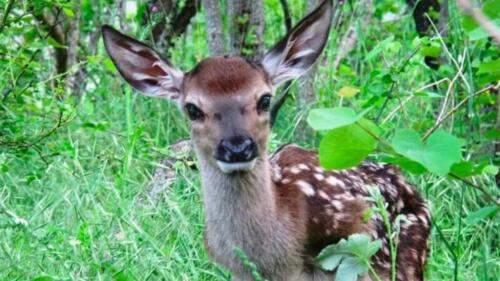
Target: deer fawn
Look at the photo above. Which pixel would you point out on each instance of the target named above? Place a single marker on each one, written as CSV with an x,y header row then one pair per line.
x,y
281,210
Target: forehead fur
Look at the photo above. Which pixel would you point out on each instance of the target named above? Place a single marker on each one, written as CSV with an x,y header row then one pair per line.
x,y
225,75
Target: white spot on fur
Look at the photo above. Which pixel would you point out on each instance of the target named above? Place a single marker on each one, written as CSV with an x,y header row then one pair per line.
x,y
294,170
286,181
399,204
338,205
319,177
334,181
315,220
303,167
319,170
306,188
323,195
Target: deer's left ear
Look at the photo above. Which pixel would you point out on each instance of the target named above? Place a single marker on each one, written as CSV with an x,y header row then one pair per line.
x,y
297,52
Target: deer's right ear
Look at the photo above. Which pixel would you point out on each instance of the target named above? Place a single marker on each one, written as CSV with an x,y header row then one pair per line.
x,y
141,66
297,52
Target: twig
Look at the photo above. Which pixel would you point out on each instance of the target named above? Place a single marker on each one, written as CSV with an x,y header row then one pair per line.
x,y
478,15
438,34
460,104
488,196
450,88
8,8
25,66
287,15
389,95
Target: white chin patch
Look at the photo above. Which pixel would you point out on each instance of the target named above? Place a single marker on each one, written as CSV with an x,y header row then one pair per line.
x,y
228,168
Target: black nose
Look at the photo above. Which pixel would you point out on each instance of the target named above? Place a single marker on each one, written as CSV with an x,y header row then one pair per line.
x,y
236,149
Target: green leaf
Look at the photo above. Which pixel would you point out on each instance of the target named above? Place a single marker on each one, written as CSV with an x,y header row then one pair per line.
x,y
493,134
407,164
321,119
361,246
350,256
350,269
347,146
54,43
431,50
440,152
483,213
489,67
492,9
348,92
463,169
328,259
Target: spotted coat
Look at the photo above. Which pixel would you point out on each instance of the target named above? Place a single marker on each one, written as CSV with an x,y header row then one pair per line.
x,y
334,204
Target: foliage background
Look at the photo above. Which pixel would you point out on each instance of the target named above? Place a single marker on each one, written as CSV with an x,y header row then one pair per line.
x,y
78,147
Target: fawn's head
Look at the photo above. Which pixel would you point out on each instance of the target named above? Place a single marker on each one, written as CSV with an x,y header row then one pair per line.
x,y
227,99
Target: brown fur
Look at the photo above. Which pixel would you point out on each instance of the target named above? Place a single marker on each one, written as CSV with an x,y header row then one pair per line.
x,y
327,224
224,75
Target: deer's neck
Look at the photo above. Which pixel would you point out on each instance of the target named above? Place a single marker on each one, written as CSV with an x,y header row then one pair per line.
x,y
240,196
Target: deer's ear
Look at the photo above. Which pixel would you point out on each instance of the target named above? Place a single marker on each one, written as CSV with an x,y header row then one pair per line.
x,y
141,66
297,51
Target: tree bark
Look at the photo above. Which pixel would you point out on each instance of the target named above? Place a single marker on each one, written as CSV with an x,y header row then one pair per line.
x,y
421,11
246,28
215,32
175,20
306,98
72,56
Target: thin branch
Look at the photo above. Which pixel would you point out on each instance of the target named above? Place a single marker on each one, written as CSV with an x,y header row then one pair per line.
x,y
484,21
457,107
8,8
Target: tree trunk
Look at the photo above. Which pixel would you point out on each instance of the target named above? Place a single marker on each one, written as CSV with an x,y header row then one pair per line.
x,y
306,98
246,28
72,56
215,36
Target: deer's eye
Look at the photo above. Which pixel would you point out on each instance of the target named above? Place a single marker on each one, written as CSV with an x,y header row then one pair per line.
x,y
193,112
264,102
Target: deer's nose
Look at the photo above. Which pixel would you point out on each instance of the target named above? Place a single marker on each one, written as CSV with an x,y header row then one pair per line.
x,y
236,149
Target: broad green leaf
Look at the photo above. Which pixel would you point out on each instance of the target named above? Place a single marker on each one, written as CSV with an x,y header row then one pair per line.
x,y
321,119
490,67
437,155
350,269
463,169
483,213
431,50
348,92
361,245
329,258
350,256
407,165
347,146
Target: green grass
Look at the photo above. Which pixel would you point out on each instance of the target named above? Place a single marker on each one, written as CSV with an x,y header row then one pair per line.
x,y
83,212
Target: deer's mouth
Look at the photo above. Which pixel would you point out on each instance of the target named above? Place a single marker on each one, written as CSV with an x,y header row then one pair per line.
x,y
229,168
